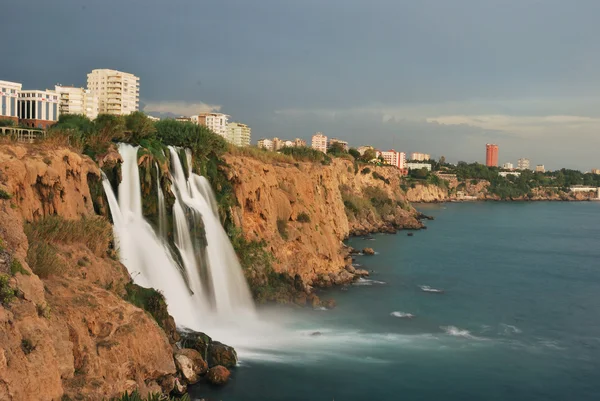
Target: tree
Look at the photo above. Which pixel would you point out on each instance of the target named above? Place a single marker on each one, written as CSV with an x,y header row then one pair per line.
x,y
442,160
354,153
7,123
369,155
139,127
336,148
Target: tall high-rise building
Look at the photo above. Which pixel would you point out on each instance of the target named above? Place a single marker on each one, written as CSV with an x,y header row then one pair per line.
x,y
118,92
74,100
216,122
523,164
238,134
394,158
38,109
9,95
420,156
491,155
319,142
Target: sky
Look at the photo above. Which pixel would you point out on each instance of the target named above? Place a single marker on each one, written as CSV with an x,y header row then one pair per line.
x,y
443,77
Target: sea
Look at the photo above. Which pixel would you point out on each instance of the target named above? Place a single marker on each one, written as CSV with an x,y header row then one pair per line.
x,y
516,317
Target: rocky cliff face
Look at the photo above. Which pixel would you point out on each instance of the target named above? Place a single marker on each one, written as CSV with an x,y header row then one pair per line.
x,y
305,210
69,334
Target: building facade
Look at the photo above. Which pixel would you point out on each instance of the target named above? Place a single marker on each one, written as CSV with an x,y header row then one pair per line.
x,y
420,156
38,109
491,155
299,143
118,92
216,122
523,164
74,100
418,166
394,158
508,166
344,144
9,100
319,142
540,168
238,134
265,143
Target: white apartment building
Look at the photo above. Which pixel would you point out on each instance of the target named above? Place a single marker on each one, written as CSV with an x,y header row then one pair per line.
x,y
38,109
335,140
507,166
265,143
507,173
216,122
299,143
9,95
420,156
238,134
394,158
523,164
74,100
418,166
319,142
363,149
118,92
540,168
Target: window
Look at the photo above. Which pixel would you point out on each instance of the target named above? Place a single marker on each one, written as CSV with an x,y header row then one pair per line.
x,y
39,110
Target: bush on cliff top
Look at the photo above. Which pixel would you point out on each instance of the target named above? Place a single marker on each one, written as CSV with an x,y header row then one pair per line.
x,y
150,300
135,396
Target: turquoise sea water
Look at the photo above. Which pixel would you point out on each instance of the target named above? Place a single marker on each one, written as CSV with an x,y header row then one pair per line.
x,y
519,319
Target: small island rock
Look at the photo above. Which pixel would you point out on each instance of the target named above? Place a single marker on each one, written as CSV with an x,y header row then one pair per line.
x,y
191,365
368,251
218,375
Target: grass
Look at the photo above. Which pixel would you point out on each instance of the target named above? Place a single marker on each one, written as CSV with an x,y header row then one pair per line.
x,y
94,232
263,155
43,259
4,194
303,217
282,228
7,293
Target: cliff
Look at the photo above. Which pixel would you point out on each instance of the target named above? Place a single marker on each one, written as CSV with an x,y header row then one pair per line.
x,y
305,210
65,330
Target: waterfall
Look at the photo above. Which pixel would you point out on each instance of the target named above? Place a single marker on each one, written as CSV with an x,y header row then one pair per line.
x,y
162,210
212,286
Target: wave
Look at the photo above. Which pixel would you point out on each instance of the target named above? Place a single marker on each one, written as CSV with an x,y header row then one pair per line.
x,y
456,332
508,329
366,281
405,315
426,288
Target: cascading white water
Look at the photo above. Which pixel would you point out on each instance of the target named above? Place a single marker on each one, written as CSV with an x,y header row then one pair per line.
x,y
162,210
212,288
229,291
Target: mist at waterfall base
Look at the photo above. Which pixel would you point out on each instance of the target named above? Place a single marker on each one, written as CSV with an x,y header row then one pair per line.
x,y
518,319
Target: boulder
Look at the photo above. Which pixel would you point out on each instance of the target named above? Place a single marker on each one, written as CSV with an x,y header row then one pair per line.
x,y
190,364
195,340
218,375
221,354
314,300
179,388
368,251
361,273
300,299
329,303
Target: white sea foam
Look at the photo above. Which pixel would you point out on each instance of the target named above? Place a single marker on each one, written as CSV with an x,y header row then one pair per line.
x,y
456,332
366,281
405,315
509,330
426,288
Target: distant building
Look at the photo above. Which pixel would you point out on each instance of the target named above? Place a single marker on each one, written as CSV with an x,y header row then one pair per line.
x,y
299,143
74,100
418,166
265,143
9,99
288,144
523,164
540,168
394,158
238,134
278,144
507,166
420,156
152,118
363,149
596,171
38,109
491,155
335,140
183,119
507,173
319,142
216,122
118,92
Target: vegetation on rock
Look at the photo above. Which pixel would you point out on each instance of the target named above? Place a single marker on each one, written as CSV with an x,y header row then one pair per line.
x,y
7,293
135,396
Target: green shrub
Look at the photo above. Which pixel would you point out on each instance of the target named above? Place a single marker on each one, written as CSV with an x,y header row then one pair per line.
x,y
380,177
135,396
282,228
148,299
17,267
303,217
27,346
365,170
303,153
7,293
4,194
